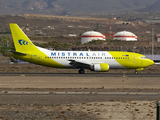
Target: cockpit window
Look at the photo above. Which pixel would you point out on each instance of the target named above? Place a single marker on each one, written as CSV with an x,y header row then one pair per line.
x,y
144,57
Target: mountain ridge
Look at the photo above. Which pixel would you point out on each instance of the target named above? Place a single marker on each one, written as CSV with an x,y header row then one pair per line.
x,y
72,6
153,8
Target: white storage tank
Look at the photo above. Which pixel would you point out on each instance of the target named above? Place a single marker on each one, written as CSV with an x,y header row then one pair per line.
x,y
126,36
158,38
91,35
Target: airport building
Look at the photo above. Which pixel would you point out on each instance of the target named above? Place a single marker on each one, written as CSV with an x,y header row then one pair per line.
x,y
125,36
91,35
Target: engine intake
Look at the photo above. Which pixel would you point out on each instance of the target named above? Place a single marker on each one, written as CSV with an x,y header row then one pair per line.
x,y
102,67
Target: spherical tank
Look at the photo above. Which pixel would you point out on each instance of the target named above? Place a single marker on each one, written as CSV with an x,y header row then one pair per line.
x,y
158,38
126,36
91,35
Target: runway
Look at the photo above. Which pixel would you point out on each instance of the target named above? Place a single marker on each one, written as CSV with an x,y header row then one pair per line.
x,y
86,92
82,75
79,96
114,93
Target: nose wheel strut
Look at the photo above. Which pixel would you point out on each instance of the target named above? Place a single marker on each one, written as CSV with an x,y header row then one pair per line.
x,y
136,72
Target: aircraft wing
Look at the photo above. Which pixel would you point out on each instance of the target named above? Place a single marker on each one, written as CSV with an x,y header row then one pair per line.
x,y
80,64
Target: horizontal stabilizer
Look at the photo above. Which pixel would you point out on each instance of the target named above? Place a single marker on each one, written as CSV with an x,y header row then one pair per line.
x,y
13,51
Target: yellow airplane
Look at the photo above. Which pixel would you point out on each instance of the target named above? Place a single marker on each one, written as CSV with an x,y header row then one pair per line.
x,y
100,61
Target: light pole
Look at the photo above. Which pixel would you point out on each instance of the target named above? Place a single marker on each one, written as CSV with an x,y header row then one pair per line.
x,y
152,43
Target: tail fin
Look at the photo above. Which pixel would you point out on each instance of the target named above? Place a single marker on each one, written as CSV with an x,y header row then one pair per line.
x,y
21,42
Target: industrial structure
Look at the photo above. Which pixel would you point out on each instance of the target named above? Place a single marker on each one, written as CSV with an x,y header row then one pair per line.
x,y
125,36
91,35
158,38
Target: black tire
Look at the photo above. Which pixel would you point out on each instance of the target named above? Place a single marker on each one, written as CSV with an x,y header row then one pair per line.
x,y
81,71
136,72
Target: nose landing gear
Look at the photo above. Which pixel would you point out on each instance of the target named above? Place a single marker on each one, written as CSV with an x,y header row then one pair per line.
x,y
136,72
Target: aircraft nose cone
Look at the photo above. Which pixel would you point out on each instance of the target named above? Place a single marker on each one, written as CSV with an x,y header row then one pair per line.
x,y
150,62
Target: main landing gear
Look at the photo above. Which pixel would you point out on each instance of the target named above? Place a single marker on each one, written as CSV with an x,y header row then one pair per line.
x,y
136,72
81,71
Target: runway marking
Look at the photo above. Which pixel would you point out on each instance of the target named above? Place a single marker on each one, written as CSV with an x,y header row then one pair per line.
x,y
78,93
82,75
23,75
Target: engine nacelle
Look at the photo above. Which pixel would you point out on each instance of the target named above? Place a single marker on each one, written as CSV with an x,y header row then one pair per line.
x,y
101,67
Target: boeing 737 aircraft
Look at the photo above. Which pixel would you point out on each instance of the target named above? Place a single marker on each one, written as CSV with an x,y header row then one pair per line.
x,y
100,61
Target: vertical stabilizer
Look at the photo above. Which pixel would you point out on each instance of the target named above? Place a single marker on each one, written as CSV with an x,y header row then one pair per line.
x,y
21,42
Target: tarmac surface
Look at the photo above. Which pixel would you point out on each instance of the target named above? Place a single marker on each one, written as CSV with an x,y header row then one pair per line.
x,y
84,75
62,96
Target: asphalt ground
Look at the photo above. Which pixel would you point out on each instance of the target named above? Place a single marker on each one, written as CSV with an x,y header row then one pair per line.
x,y
84,75
63,96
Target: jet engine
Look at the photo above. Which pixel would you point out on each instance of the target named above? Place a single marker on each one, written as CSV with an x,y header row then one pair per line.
x,y
101,67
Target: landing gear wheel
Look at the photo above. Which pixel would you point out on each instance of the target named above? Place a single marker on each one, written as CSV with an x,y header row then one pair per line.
x,y
136,72
81,71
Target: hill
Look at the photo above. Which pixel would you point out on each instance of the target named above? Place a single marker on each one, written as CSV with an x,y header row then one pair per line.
x,y
153,8
71,7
